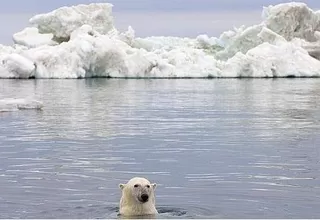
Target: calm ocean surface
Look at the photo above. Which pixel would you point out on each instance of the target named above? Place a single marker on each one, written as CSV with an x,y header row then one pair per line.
x,y
221,148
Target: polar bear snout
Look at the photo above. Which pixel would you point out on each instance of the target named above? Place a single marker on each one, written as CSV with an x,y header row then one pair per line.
x,y
144,198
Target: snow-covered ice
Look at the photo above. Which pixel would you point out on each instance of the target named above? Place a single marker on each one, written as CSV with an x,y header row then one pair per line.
x,y
81,41
63,21
292,20
30,37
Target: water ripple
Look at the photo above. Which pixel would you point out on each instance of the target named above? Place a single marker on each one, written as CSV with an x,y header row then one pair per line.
x,y
215,148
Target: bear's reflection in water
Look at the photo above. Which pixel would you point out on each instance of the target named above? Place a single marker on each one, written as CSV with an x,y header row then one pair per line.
x,y
172,211
164,213
138,217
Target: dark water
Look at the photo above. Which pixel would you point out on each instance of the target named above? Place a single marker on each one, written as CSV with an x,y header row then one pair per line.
x,y
217,148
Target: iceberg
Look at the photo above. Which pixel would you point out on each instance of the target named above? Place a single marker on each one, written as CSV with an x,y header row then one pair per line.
x,y
82,42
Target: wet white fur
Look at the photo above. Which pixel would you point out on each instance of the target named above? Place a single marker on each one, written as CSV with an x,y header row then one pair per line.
x,y
130,204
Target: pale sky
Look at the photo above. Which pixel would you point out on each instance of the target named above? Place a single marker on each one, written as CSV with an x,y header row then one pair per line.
x,y
147,5
185,18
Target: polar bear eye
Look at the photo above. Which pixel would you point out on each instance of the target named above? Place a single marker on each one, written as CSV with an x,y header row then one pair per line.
x,y
136,185
148,186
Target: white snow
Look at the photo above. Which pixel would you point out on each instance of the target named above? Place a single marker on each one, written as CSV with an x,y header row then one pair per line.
x,y
13,104
30,37
81,41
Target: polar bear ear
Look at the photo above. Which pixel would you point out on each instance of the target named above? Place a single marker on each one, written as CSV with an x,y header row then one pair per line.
x,y
121,186
154,186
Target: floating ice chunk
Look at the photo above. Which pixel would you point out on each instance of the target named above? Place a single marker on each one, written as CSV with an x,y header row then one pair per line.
x,y
63,21
12,104
30,37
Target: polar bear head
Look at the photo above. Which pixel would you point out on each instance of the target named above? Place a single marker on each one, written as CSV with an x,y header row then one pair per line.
x,y
138,197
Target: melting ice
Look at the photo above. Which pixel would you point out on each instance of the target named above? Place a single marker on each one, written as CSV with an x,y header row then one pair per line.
x,y
81,41
13,104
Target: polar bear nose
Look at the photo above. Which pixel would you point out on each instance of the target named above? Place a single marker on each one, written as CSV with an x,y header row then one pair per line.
x,y
144,197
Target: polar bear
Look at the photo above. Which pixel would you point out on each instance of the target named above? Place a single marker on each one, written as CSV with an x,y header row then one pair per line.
x,y
137,198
